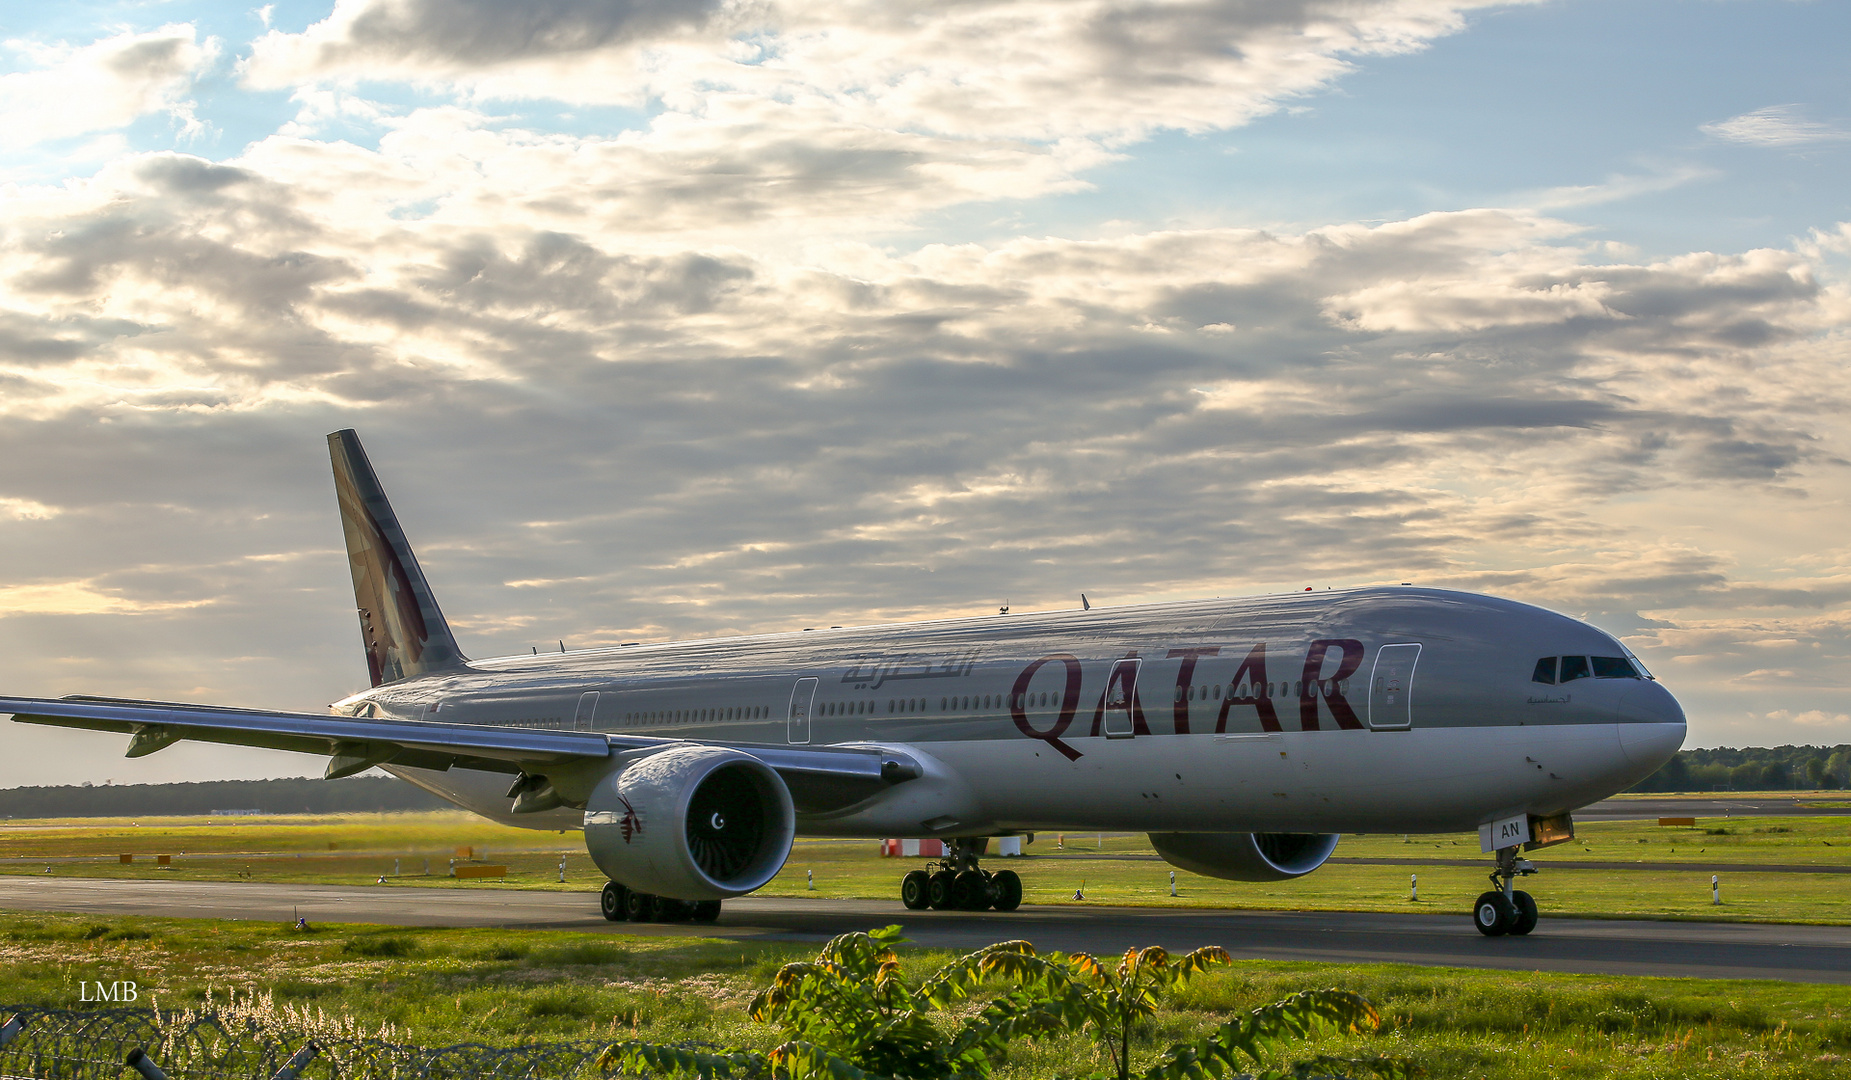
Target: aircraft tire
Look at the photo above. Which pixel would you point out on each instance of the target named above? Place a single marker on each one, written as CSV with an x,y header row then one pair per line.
x,y
637,906
1526,913
1493,914
969,891
611,901
913,890
1007,885
938,890
706,910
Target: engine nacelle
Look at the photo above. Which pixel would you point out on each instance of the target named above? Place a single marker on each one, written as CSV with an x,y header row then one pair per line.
x,y
692,823
1246,856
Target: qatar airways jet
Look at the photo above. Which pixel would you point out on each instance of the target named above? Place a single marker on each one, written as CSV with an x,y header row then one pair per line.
x,y
1242,735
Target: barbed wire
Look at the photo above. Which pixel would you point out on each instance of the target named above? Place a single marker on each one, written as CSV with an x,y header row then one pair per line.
x,y
102,1044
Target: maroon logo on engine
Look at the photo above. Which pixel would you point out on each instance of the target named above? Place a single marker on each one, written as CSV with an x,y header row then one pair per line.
x,y
629,824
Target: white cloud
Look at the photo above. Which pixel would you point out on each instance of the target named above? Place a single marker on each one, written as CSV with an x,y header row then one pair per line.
x,y
700,382
1812,718
1022,69
103,85
26,509
78,598
1776,125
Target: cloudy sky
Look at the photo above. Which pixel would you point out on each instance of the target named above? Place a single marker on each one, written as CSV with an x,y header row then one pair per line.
x,y
693,317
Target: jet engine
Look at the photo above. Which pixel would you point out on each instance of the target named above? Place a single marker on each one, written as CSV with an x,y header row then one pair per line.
x,y
1246,856
692,823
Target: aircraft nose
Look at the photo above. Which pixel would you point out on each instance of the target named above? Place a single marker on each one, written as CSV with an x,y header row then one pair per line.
x,y
1654,727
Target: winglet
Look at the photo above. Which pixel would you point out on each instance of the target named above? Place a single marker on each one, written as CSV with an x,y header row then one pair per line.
x,y
404,632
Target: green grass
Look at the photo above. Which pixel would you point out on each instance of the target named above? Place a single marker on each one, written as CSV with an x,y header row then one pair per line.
x,y
359,849
440,986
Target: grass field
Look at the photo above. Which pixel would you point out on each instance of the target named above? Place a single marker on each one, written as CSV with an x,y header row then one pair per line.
x,y
1649,875
506,986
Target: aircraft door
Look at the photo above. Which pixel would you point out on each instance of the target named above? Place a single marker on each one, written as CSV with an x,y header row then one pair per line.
x,y
803,697
1121,695
587,713
1391,687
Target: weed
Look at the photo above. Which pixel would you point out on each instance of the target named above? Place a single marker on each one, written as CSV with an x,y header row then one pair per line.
x,y
578,952
380,947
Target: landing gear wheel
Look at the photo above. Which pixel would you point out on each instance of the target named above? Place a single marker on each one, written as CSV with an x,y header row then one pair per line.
x,y
913,889
1007,885
1526,913
638,907
969,891
706,910
1493,914
938,890
611,901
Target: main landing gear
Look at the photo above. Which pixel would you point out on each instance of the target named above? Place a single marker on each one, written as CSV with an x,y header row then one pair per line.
x,y
619,904
1504,910
958,884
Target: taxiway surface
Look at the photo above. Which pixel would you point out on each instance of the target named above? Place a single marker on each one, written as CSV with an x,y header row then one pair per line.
x,y
1623,947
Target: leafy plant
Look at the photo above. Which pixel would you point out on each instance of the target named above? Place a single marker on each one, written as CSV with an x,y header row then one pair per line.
x,y
851,1015
1269,1029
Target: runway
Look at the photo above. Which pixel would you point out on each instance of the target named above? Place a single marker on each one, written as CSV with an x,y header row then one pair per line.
x,y
1819,954
1634,808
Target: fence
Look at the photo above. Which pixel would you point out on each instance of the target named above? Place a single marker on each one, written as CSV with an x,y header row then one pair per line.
x,y
106,1044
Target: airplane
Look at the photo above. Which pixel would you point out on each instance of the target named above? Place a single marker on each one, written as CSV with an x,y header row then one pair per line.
x,y
1244,736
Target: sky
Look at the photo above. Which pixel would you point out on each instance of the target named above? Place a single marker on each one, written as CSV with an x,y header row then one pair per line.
x,y
681,318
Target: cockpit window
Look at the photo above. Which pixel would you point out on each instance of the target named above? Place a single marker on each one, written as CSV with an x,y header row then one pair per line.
x,y
1573,667
1614,667
1545,671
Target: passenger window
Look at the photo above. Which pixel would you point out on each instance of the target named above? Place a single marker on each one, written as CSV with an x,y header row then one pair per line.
x,y
1573,667
1545,671
1613,667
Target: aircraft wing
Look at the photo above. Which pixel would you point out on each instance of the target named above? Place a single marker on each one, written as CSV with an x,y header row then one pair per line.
x,y
829,775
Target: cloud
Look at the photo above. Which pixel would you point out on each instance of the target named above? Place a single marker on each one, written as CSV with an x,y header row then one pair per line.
x,y
384,38
697,376
103,85
1776,125
1023,69
1812,718
1168,413
77,598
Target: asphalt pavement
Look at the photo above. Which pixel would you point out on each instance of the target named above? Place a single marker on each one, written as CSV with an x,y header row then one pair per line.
x,y
1820,954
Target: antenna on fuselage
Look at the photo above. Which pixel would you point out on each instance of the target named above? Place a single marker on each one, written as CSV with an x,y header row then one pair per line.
x,y
1085,604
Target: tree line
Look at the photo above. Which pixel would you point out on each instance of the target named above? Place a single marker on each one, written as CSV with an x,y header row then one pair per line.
x,y
1754,768
352,795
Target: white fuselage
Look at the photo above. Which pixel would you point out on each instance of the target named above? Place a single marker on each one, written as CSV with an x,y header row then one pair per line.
x,y
1283,713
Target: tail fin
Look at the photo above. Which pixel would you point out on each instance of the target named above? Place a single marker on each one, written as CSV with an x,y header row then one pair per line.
x,y
404,632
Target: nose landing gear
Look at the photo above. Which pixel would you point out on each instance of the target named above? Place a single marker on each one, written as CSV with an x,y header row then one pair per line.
x,y
1505,910
959,884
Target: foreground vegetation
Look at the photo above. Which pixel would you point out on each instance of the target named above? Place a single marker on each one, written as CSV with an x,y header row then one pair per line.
x,y
437,986
1656,871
